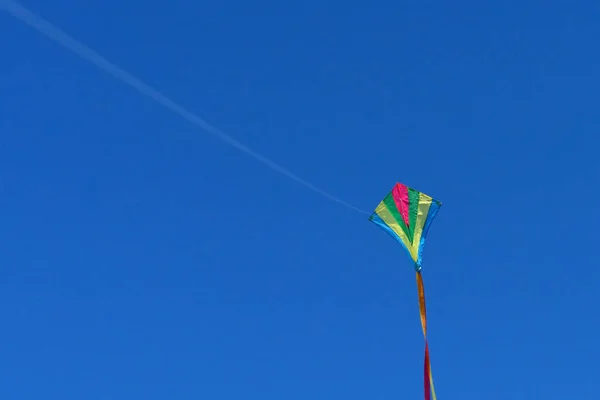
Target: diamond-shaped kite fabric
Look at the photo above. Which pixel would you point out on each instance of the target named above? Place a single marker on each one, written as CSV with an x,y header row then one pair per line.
x,y
406,214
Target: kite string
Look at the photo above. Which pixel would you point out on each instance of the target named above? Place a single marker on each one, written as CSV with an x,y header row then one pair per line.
x,y
46,28
427,375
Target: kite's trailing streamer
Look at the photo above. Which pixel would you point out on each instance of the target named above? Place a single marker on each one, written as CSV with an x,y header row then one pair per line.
x,y
428,377
406,214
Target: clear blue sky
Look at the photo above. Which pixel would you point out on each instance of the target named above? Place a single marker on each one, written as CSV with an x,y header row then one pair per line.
x,y
141,258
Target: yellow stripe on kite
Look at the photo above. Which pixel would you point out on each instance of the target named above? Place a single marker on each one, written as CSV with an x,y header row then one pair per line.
x,y
423,210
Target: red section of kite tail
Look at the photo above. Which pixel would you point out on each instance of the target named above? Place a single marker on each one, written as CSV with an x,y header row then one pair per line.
x,y
427,376
426,383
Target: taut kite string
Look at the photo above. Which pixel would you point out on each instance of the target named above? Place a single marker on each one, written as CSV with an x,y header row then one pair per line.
x,y
52,32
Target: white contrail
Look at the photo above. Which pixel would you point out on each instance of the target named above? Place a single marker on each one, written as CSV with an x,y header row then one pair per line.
x,y
36,22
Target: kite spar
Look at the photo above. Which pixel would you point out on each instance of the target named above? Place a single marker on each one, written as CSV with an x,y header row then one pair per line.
x,y
406,214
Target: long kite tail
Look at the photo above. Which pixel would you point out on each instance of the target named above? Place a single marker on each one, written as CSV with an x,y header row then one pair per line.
x,y
427,376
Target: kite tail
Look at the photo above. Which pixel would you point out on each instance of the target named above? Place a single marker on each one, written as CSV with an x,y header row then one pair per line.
x,y
427,376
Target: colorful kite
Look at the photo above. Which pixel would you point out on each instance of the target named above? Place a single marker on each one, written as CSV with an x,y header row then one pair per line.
x,y
406,215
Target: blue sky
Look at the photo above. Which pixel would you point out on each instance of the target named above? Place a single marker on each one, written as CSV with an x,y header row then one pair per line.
x,y
141,257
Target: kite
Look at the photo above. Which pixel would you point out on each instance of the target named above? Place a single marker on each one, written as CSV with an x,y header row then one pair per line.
x,y
406,214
